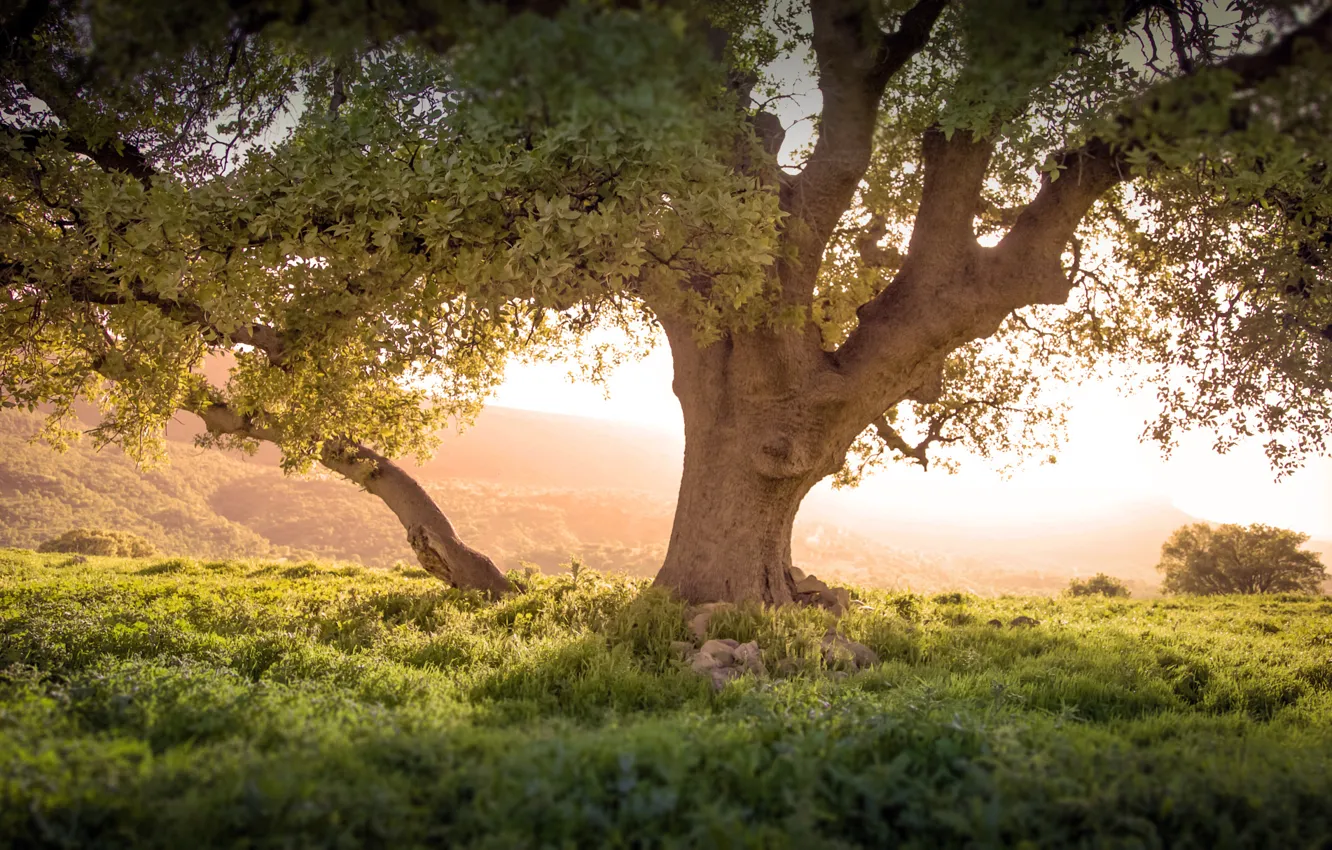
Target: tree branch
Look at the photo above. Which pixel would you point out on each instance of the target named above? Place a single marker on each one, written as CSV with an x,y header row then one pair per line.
x,y
111,156
257,335
894,441
855,60
339,95
1050,220
950,290
222,421
918,453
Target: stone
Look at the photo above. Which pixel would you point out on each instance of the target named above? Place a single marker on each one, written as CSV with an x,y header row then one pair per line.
x,y
749,658
837,600
842,653
725,660
720,653
810,584
797,575
811,590
701,616
1023,621
682,648
998,624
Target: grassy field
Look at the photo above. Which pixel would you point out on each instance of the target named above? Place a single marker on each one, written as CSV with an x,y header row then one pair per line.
x,y
175,703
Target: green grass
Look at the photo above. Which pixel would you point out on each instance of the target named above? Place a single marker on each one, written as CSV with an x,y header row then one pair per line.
x,y
175,703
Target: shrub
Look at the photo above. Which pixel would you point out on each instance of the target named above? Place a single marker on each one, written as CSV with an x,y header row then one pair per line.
x,y
1098,585
1258,558
951,598
96,541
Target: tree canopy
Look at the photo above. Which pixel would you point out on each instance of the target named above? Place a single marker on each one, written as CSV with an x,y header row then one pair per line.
x,y
370,268
1229,558
1098,585
371,209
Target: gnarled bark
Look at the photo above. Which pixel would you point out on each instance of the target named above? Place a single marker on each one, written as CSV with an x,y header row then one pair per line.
x,y
761,429
439,549
731,539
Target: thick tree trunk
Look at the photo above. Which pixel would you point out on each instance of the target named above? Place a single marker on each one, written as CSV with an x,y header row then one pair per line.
x,y
760,431
432,537
731,539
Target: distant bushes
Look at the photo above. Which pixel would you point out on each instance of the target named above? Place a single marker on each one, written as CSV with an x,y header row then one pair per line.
x,y
96,541
1098,585
1206,560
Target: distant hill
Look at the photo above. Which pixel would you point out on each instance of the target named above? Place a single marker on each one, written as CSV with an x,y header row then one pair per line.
x,y
509,446
527,488
218,504
1126,542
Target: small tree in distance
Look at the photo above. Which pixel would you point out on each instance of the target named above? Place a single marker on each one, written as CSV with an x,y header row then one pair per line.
x,y
1237,559
96,541
1098,585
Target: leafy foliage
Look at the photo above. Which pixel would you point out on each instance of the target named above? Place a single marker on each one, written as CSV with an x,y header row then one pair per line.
x,y
112,544
371,267
373,212
1204,270
1098,585
1236,559
160,703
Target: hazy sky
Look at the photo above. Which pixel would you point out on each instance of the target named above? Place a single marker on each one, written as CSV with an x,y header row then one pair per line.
x,y
1102,465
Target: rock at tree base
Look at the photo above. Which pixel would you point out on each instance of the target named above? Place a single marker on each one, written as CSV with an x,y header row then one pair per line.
x,y
700,616
724,660
841,653
811,590
811,584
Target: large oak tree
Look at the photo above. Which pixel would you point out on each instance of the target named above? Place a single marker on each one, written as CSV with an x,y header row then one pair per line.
x,y
996,191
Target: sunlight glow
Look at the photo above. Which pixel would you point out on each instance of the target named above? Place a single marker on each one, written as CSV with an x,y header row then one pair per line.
x,y
1102,466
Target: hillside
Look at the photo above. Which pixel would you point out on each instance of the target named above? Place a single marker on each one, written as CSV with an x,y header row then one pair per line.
x,y
216,504
526,488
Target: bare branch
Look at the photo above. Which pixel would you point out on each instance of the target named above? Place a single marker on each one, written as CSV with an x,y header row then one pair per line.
x,y
918,453
894,441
